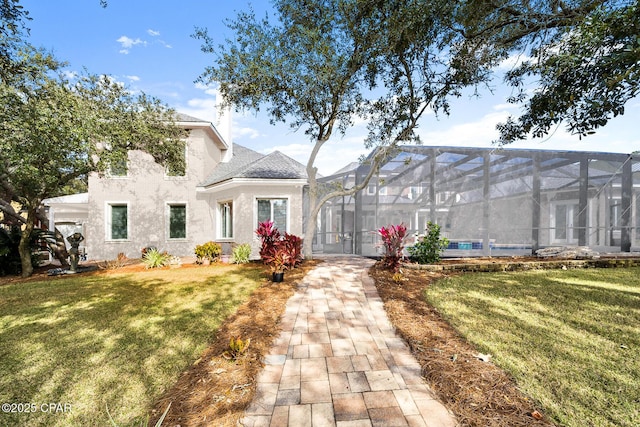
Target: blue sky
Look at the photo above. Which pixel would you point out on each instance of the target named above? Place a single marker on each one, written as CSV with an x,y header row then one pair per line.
x,y
148,46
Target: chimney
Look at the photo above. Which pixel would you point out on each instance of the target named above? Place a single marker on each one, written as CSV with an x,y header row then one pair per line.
x,y
223,126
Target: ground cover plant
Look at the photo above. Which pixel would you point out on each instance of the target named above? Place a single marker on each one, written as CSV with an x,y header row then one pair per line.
x,y
116,339
569,338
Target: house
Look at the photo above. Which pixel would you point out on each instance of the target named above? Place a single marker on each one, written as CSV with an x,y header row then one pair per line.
x,y
488,201
225,191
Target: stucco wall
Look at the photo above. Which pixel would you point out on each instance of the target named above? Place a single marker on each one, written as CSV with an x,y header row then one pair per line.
x,y
147,191
244,196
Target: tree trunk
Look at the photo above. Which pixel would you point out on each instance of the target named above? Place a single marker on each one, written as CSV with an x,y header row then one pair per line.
x,y
24,247
310,229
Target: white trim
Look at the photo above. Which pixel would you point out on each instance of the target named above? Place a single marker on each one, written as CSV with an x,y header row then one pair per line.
x,y
219,220
167,221
235,182
107,220
208,128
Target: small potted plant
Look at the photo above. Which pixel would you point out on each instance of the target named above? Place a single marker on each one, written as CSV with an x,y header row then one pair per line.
x,y
278,260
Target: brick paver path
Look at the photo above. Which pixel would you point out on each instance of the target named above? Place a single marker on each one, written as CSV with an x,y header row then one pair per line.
x,y
338,361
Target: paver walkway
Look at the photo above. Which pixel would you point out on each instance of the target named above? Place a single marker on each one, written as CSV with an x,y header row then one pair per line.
x,y
338,361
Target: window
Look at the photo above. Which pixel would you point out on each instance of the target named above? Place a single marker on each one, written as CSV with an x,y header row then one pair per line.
x,y
226,220
177,221
274,210
118,222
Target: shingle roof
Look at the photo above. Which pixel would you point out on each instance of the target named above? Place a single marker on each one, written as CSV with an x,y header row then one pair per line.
x,y
247,163
181,117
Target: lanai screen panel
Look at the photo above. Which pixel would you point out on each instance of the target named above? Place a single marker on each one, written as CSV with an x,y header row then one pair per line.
x,y
489,201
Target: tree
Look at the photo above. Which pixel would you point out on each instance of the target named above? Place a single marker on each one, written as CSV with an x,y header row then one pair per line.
x,y
323,63
583,56
54,131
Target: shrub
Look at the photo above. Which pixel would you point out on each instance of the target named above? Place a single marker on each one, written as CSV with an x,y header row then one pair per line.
x,y
9,256
10,262
393,242
241,254
209,250
147,249
277,257
269,235
430,246
153,258
293,246
278,251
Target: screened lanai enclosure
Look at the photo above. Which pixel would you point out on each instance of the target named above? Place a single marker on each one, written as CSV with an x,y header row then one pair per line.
x,y
489,202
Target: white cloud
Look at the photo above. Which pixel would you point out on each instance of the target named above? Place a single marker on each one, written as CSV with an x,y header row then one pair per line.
x,y
127,43
133,78
248,132
513,61
209,89
71,75
153,33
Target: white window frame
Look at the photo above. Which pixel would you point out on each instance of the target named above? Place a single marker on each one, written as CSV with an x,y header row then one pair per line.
x,y
288,214
221,205
168,206
108,220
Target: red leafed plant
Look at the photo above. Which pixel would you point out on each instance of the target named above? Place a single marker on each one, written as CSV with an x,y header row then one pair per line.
x,y
277,251
393,242
268,235
293,246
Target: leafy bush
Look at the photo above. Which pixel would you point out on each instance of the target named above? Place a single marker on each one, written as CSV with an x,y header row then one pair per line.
x,y
241,254
278,251
147,249
153,258
269,235
209,250
10,262
293,246
429,246
393,242
277,257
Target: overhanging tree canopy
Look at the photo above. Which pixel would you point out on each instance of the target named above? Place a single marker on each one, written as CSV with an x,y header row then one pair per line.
x,y
321,64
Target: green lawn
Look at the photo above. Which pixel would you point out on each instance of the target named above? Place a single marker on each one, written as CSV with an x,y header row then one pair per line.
x,y
117,340
570,338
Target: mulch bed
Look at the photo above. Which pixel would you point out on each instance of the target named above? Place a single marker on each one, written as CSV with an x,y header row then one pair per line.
x,y
477,392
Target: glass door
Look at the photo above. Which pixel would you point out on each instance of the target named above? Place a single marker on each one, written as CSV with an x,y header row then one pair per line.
x,y
564,222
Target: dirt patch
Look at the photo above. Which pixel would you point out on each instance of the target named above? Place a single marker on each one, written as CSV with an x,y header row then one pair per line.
x,y
477,392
